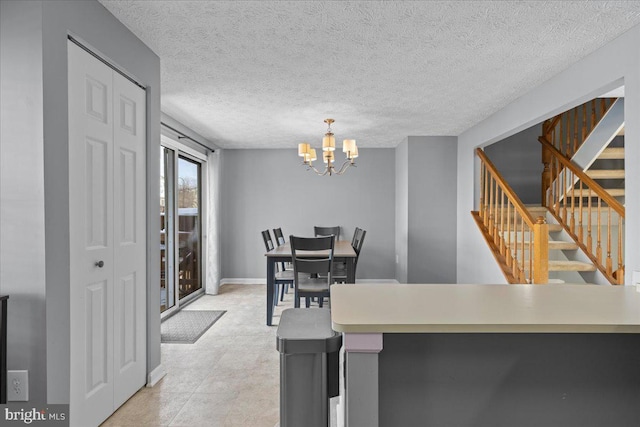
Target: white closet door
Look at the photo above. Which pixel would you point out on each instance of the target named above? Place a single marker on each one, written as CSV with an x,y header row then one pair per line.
x,y
129,239
90,237
107,238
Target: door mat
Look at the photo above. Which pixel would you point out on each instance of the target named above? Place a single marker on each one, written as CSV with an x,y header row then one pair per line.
x,y
186,326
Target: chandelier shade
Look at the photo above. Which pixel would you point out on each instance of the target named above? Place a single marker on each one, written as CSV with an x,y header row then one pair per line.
x,y
308,154
303,149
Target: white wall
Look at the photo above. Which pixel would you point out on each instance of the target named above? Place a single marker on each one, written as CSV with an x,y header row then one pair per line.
x,y
617,62
266,189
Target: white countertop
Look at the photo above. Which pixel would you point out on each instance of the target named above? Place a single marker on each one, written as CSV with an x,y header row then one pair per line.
x,y
404,308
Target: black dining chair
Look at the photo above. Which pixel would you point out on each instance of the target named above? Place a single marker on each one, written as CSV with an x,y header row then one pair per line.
x,y
340,272
305,267
340,264
356,233
327,231
277,233
283,278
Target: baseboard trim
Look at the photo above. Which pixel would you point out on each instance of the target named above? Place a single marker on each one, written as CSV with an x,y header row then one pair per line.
x,y
258,281
156,375
365,281
242,281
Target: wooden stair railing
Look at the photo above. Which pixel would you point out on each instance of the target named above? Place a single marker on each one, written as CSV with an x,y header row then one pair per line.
x,y
588,213
519,242
567,131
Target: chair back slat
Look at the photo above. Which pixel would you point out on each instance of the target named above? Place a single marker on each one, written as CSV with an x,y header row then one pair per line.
x,y
327,231
312,266
277,234
268,243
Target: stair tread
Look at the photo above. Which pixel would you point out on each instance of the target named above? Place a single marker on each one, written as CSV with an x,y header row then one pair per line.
x,y
536,208
612,153
552,228
555,227
556,265
562,245
570,266
615,192
606,173
556,245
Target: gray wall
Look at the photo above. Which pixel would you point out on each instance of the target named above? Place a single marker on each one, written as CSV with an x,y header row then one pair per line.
x,y
37,135
269,188
432,203
614,64
523,380
402,211
425,203
22,230
518,158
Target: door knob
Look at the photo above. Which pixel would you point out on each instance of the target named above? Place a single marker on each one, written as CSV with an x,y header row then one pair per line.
x,y
100,264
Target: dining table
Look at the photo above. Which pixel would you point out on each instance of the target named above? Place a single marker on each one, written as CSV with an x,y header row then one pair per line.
x,y
341,251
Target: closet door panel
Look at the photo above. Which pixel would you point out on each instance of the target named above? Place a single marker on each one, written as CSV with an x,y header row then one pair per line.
x,y
107,220
90,237
130,243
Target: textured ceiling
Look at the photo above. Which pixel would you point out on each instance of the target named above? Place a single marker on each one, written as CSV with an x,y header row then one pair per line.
x,y
266,74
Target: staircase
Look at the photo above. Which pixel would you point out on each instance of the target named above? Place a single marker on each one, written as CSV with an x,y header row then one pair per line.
x,y
577,235
608,168
583,182
564,262
601,154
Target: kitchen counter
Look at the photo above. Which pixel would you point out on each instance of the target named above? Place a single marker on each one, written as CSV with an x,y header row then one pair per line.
x,y
402,308
558,355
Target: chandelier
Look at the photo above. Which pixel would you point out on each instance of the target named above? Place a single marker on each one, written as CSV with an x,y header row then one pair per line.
x,y
308,154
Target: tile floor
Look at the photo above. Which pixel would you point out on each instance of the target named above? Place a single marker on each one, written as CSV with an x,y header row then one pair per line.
x,y
229,377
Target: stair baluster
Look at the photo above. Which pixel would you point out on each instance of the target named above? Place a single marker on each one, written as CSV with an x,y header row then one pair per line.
x,y
599,236
564,197
572,222
509,258
501,233
609,263
580,209
620,270
496,236
589,230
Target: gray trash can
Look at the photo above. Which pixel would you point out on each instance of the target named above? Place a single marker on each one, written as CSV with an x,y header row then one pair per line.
x,y
309,366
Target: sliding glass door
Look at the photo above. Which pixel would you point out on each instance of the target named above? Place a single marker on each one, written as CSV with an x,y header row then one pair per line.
x,y
167,229
181,216
189,226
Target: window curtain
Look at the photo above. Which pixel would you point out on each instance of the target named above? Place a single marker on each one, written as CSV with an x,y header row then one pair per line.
x,y
213,223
